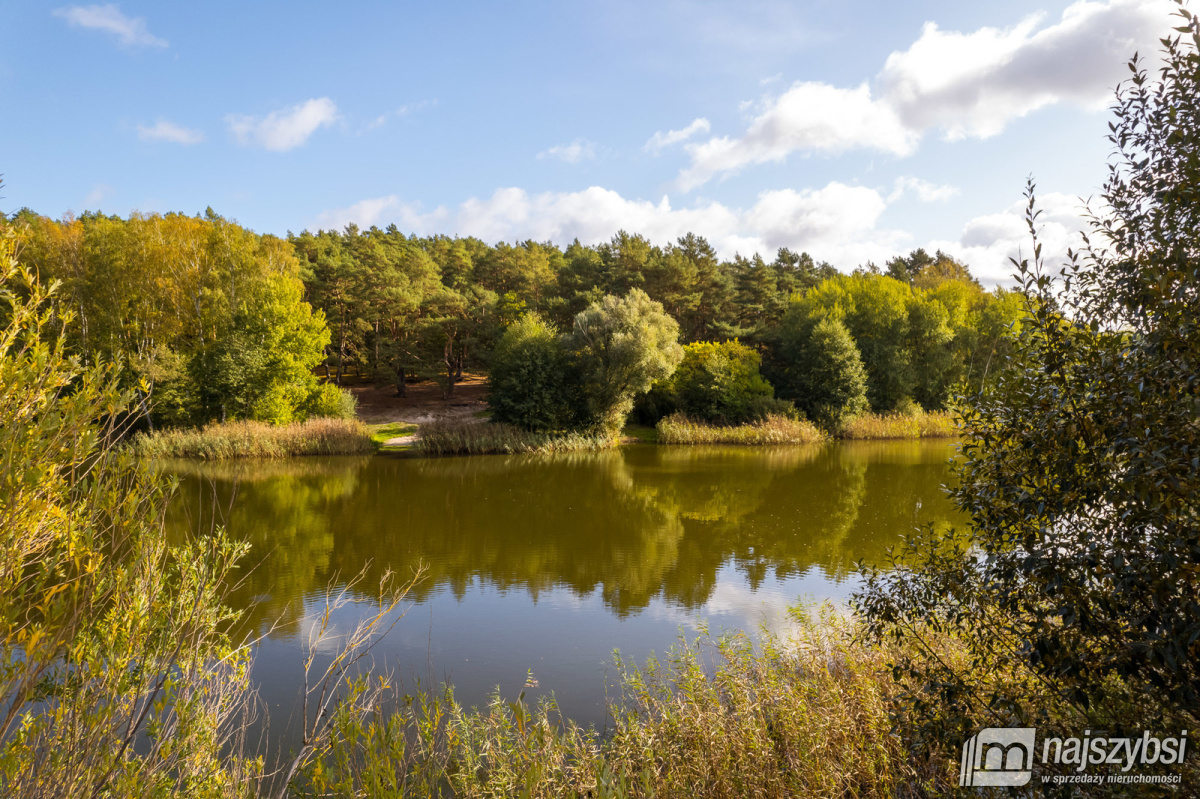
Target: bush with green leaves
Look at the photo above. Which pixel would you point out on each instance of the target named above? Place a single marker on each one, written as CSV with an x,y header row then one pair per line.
x,y
534,382
719,381
1080,573
328,401
820,369
587,380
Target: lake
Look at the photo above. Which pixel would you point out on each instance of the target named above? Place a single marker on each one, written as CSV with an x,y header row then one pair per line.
x,y
546,564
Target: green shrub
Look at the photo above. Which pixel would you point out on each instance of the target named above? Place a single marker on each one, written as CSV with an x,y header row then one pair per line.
x,y
533,382
1079,468
719,381
618,348
623,346
331,402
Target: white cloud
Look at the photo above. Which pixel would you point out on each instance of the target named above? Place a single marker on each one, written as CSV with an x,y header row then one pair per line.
x,y
974,84
169,132
988,242
837,223
573,153
108,18
286,128
401,111
926,192
99,193
379,211
660,140
812,117
412,108
961,84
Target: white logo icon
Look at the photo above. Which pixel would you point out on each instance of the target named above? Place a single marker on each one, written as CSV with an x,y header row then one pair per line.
x,y
998,756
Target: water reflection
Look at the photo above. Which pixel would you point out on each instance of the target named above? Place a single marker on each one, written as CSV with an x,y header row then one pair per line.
x,y
636,525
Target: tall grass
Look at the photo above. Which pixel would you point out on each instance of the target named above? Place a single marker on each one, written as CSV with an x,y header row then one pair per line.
x,y
922,424
485,438
804,715
677,429
259,440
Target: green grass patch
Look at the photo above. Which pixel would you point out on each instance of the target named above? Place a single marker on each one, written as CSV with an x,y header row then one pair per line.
x,y
222,441
643,434
925,424
382,433
486,438
677,429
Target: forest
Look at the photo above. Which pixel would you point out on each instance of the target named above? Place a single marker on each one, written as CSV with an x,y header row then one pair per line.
x,y
214,322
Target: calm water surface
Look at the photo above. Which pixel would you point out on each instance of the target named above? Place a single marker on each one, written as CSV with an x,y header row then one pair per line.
x,y
549,563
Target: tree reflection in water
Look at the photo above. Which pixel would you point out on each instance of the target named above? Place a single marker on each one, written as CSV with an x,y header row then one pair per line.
x,y
634,524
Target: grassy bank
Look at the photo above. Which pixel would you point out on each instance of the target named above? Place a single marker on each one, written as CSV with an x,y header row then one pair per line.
x,y
805,715
485,438
382,433
772,430
926,424
259,440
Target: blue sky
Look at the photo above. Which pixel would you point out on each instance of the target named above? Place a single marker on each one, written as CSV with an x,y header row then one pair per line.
x,y
854,131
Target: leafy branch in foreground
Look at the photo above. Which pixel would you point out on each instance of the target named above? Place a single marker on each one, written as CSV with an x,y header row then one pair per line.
x,y
115,676
1081,578
335,696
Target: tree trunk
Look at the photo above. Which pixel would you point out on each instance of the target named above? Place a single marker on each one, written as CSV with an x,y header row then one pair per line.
x,y
448,360
146,408
341,357
401,382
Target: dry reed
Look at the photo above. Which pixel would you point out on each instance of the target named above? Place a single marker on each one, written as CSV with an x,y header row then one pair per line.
x,y
678,429
807,714
454,437
259,440
927,424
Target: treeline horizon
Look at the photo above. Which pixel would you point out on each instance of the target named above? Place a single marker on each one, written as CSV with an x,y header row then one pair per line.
x,y
221,322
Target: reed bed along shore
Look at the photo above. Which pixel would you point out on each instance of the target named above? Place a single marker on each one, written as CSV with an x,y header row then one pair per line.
x,y
802,715
925,424
222,441
485,438
677,429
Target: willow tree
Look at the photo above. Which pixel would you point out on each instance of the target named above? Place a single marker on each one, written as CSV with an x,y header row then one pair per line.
x,y
623,345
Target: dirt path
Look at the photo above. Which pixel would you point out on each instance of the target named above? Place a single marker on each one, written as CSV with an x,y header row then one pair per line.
x,y
423,402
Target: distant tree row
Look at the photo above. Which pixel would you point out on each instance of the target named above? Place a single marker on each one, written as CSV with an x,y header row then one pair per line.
x,y
218,322
400,305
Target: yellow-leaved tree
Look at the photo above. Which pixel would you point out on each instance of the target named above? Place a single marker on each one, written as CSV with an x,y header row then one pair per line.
x,y
115,676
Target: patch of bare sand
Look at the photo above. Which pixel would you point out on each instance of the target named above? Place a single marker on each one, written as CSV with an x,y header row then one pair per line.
x,y
422,402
